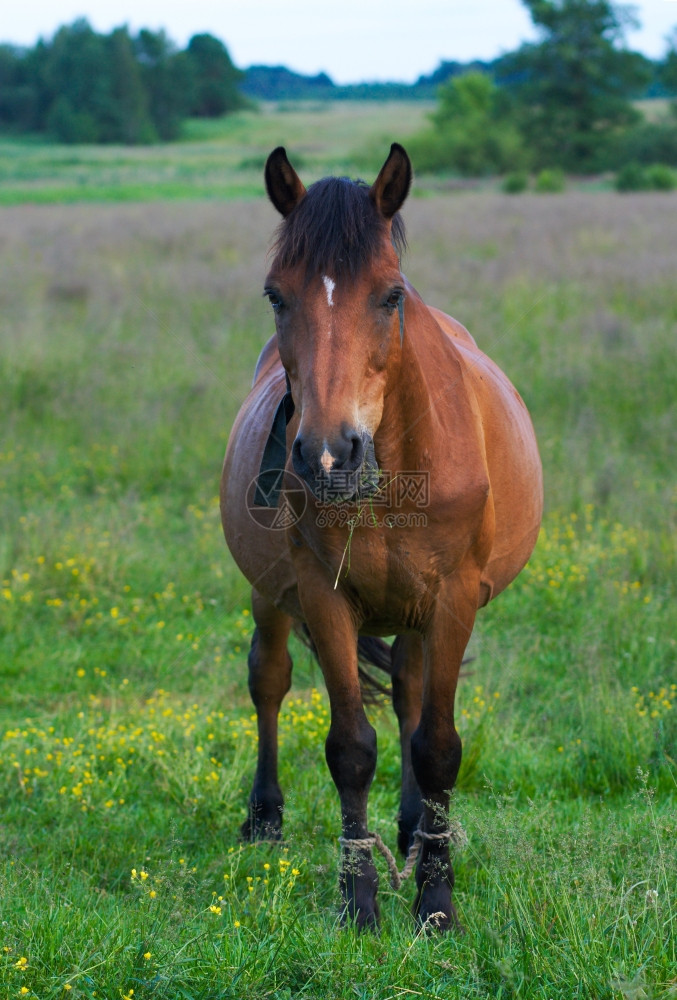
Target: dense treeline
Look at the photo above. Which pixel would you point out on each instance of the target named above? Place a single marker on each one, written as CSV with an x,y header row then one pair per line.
x,y
278,83
567,100
82,86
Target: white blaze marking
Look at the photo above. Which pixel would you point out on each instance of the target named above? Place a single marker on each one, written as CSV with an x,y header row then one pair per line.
x,y
326,460
330,286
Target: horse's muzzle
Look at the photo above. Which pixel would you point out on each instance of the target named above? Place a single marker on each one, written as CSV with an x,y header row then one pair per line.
x,y
339,471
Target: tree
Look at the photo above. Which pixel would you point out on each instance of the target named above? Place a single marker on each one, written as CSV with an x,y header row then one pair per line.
x,y
574,86
18,96
90,87
128,119
68,124
668,67
214,78
73,77
81,86
473,133
166,77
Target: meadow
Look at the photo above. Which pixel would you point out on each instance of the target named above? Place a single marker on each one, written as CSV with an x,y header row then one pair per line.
x,y
128,336
219,159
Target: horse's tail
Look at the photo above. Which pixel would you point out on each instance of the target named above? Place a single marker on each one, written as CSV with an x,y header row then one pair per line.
x,y
374,652
371,652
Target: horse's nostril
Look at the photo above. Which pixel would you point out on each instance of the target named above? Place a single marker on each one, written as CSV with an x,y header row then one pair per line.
x,y
343,454
356,451
297,458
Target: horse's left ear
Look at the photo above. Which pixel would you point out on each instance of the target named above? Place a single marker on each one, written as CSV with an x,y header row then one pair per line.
x,y
284,186
391,187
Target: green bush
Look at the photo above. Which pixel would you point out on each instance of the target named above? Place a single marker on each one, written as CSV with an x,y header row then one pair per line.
x,y
631,177
515,183
650,142
635,177
661,177
471,152
550,181
472,134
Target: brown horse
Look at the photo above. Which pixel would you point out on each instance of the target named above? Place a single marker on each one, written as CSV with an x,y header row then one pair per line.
x,y
411,495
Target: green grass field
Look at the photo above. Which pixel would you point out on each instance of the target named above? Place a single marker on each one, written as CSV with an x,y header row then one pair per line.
x,y
217,159
128,336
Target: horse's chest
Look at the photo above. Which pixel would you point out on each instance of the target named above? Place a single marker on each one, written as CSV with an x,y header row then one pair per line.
x,y
392,580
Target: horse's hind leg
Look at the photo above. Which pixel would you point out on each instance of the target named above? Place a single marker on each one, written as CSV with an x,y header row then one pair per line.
x,y
407,681
270,668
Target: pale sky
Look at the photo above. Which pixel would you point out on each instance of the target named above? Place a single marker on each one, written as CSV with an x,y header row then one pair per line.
x,y
351,40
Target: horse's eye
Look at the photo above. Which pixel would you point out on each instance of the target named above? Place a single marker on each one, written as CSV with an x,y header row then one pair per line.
x,y
394,299
274,299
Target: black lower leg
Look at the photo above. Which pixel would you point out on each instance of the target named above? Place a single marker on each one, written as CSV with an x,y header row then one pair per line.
x,y
407,687
269,680
351,756
436,764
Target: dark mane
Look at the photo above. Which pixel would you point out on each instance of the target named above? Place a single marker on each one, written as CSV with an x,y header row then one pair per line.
x,y
335,229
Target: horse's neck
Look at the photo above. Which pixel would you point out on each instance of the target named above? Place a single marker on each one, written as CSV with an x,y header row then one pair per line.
x,y
419,391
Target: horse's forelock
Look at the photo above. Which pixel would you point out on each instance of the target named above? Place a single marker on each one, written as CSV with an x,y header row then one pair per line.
x,y
335,229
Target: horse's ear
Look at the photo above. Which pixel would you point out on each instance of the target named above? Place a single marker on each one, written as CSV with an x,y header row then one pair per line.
x,y
391,187
283,184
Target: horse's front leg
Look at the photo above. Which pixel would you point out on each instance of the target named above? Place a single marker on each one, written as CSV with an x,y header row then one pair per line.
x,y
436,746
407,682
351,742
270,668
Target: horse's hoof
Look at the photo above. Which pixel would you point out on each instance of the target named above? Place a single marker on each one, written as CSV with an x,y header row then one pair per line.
x,y
439,921
434,910
254,831
371,922
364,919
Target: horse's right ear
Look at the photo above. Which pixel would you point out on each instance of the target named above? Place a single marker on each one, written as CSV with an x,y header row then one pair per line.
x,y
284,186
391,187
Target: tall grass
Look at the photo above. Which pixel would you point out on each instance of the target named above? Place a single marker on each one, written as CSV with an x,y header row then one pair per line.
x,y
128,336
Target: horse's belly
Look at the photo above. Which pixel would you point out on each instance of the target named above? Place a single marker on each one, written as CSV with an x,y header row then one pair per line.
x,y
256,536
514,471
